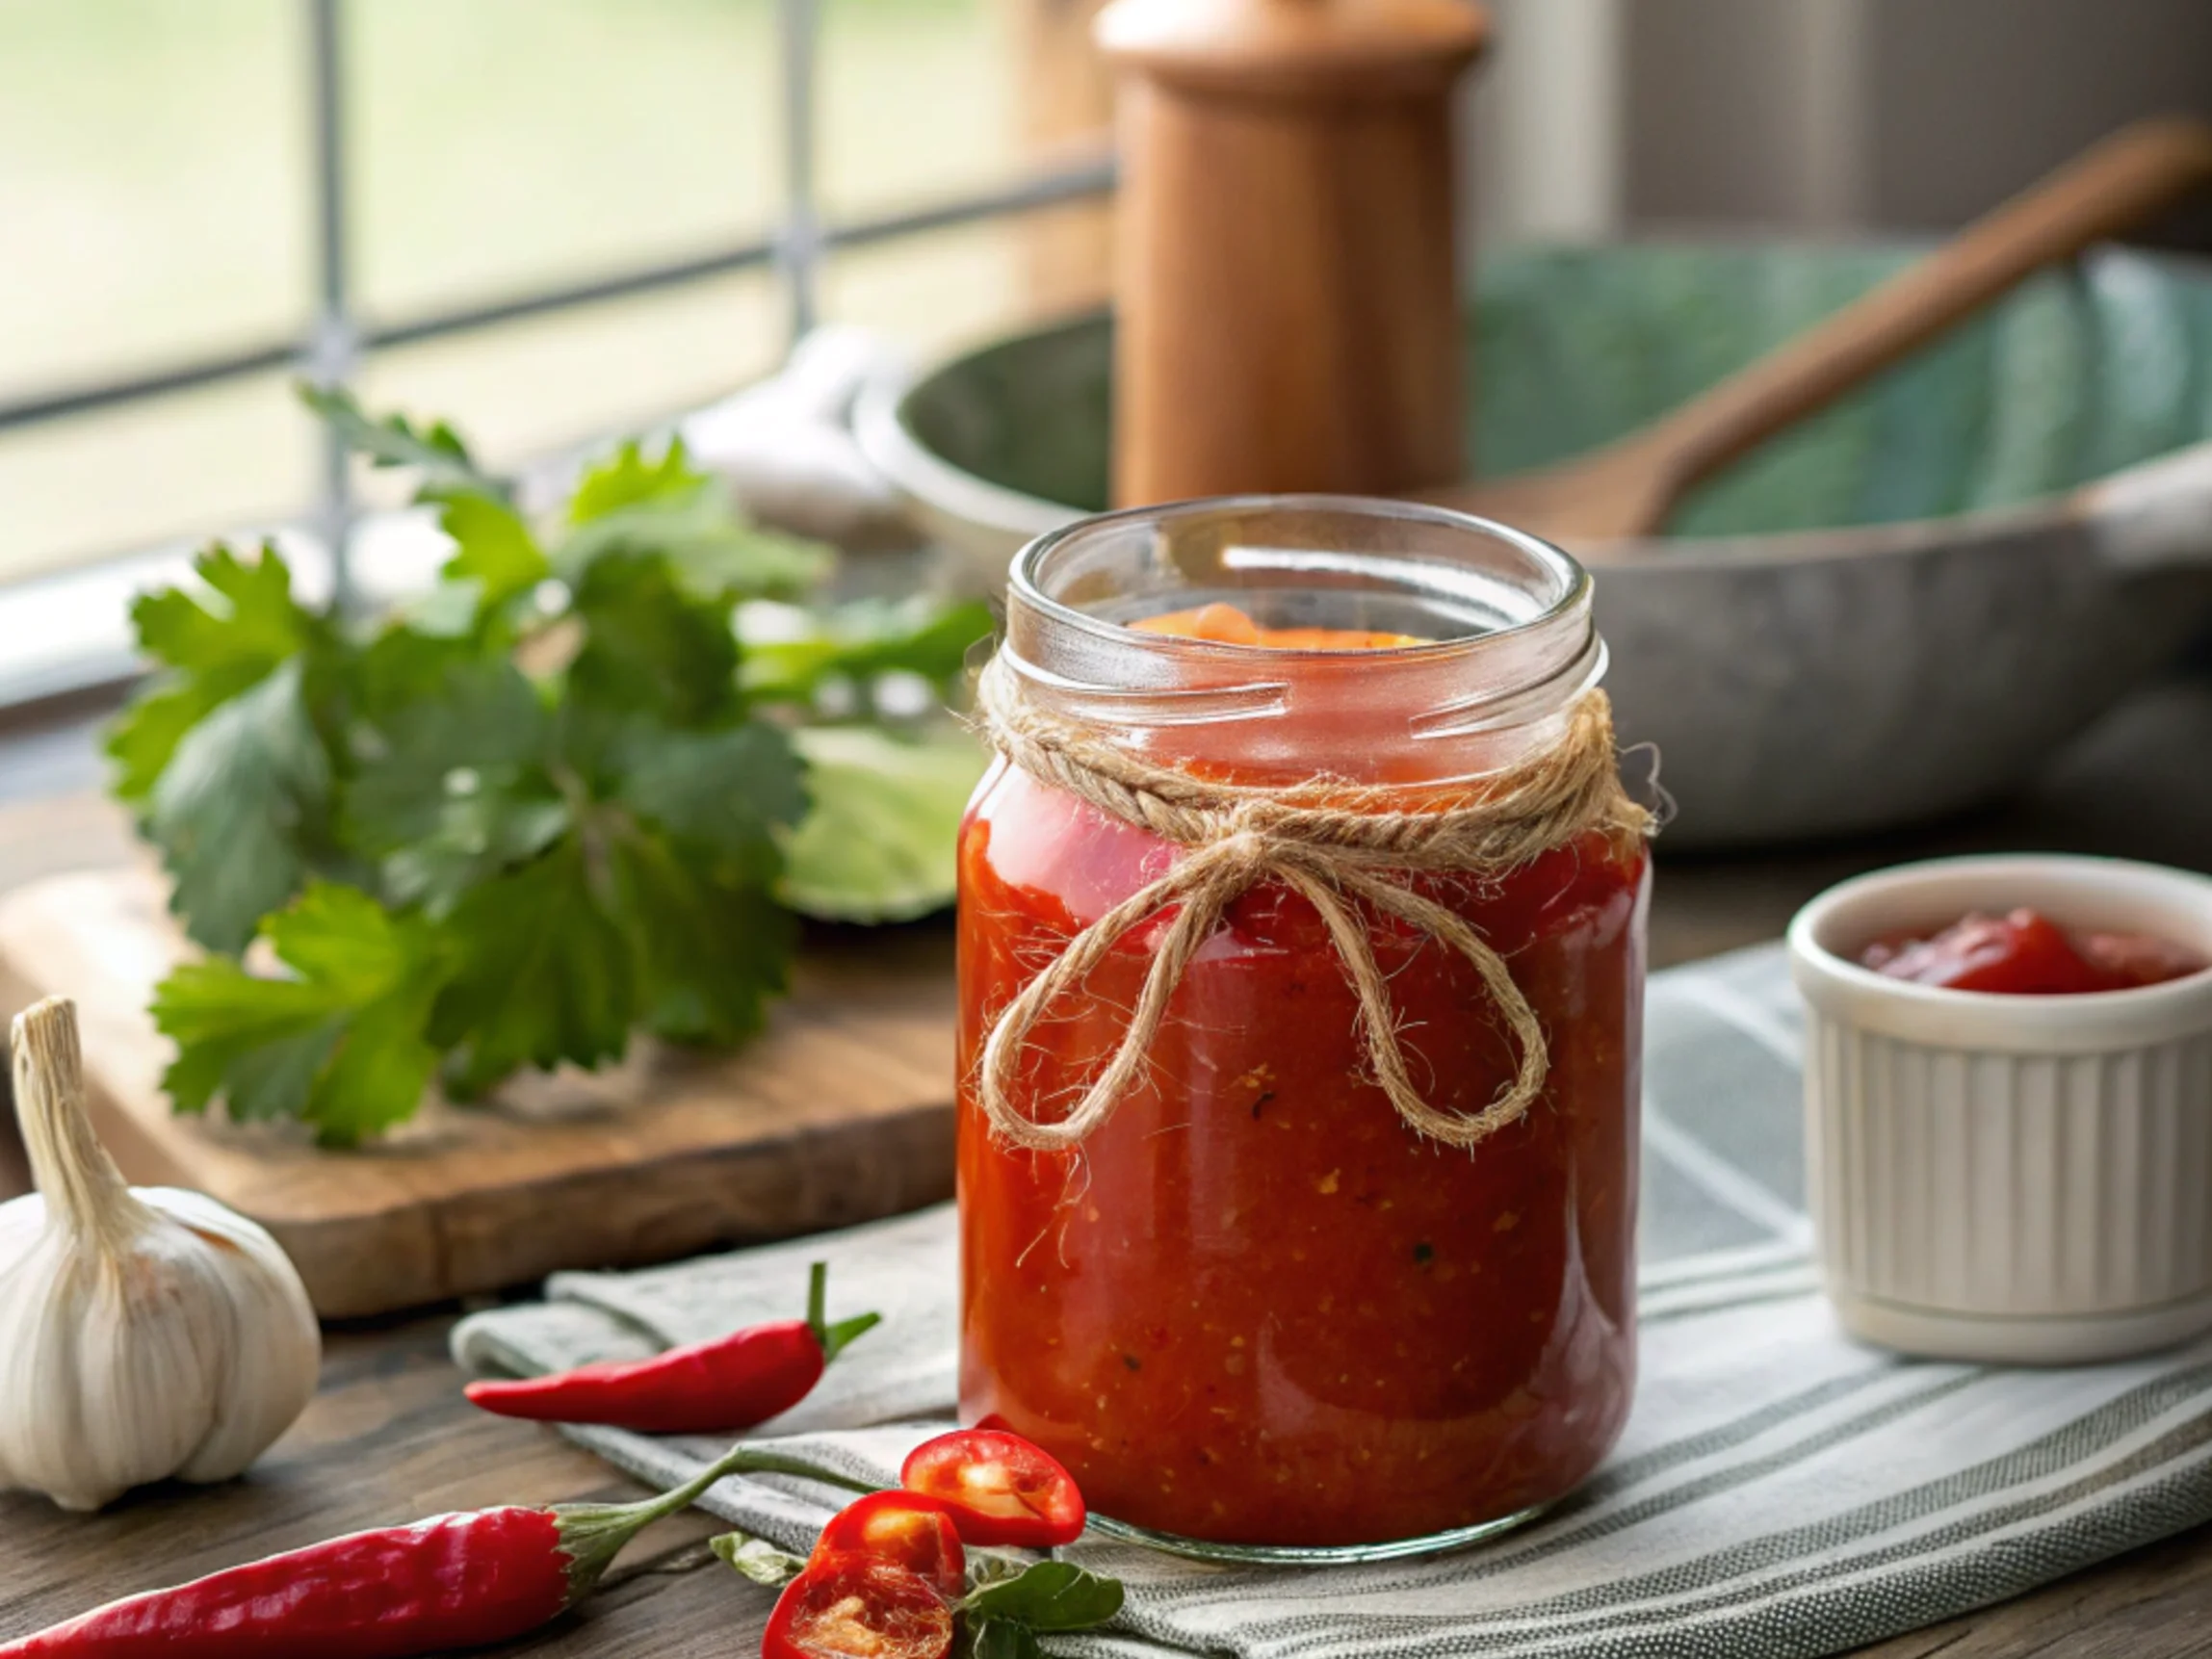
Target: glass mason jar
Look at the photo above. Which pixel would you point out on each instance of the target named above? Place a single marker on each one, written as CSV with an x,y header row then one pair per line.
x,y
1254,1313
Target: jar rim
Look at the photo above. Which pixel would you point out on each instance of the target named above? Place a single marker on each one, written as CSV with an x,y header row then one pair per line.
x,y
1520,644
1571,582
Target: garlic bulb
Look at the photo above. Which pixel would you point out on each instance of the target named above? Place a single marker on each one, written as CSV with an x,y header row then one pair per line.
x,y
143,1332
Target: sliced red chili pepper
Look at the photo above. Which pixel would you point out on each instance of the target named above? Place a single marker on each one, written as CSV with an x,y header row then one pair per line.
x,y
857,1606
452,1581
721,1385
998,1487
905,1529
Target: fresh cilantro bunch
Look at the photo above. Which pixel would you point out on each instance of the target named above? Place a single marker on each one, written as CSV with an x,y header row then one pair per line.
x,y
558,800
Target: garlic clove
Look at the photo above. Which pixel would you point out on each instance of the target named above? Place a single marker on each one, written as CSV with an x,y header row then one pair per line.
x,y
264,1386
100,1388
143,1333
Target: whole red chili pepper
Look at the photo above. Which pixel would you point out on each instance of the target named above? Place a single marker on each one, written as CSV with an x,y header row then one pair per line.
x,y
452,1581
725,1385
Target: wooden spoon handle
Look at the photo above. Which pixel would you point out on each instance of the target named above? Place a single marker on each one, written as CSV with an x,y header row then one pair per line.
x,y
2110,188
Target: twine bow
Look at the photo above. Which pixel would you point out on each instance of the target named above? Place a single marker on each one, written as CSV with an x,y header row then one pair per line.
x,y
1336,846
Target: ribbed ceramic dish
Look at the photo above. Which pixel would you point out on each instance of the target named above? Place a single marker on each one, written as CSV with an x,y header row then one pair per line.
x,y
2014,1180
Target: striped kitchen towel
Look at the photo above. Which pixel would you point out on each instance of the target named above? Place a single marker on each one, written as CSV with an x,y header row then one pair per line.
x,y
1780,1490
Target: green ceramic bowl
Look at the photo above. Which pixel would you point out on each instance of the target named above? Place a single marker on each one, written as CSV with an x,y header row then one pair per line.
x,y
1894,610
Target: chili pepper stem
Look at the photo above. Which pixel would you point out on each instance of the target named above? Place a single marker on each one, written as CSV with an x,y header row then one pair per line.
x,y
833,1338
593,1534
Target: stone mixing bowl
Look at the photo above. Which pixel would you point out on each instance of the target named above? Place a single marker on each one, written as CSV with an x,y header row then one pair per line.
x,y
1893,611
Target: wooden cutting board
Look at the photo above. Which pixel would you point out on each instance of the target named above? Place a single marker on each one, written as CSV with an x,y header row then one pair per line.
x,y
842,1112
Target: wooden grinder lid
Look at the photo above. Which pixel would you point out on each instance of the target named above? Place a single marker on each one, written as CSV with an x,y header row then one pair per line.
x,y
1287,312
1295,48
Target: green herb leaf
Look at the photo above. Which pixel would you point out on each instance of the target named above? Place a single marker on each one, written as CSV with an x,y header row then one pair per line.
x,y
243,791
495,555
997,1638
756,1558
689,825
987,1568
712,550
435,451
542,973
247,618
723,794
221,754
454,788
651,647
1051,1596
709,952
396,669
338,1043
626,478
791,654
214,643
882,842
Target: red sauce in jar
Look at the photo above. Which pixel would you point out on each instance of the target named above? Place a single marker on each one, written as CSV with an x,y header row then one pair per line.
x,y
1226,625
1255,1307
2025,954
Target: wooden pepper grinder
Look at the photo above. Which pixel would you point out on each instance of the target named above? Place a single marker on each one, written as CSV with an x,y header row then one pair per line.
x,y
1287,313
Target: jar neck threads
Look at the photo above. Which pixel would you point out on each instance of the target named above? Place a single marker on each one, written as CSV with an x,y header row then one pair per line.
x,y
1511,642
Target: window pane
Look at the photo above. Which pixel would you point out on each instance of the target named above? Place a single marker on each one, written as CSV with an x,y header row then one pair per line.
x,y
951,288
198,463
521,389
152,184
504,145
204,463
156,198
916,102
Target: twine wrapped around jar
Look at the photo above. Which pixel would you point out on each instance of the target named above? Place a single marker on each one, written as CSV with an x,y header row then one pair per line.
x,y
1335,845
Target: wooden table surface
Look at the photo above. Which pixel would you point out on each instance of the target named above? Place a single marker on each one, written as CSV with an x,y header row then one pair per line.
x,y
389,1439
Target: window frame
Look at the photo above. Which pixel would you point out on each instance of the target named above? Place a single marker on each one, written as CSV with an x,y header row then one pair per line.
x,y
74,614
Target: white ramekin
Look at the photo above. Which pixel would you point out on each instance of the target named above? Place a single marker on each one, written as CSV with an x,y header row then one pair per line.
x,y
2017,1179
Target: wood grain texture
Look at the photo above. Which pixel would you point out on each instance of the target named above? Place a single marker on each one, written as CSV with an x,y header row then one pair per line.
x,y
839,1113
2155,1603
1287,311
